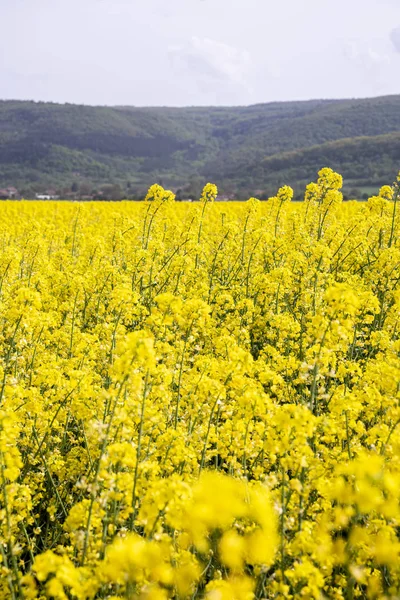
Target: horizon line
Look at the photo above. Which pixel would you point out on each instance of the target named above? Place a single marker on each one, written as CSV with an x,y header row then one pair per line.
x,y
199,106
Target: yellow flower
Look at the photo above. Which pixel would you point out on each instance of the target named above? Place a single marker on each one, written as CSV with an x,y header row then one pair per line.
x,y
209,193
201,405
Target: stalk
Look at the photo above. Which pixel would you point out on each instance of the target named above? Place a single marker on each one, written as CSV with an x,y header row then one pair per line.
x,y
396,197
138,452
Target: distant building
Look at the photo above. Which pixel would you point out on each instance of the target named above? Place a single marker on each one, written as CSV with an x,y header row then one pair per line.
x,y
47,196
12,192
8,193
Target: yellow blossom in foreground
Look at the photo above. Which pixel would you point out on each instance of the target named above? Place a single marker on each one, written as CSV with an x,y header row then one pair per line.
x,y
201,400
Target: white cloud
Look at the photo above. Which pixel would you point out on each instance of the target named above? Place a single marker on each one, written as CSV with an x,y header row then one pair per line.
x,y
366,55
370,65
212,59
395,37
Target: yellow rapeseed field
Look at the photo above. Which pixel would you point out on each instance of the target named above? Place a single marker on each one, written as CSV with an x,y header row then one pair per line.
x,y
201,400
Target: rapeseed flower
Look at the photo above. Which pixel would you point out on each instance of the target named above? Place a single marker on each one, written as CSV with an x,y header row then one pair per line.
x,y
201,401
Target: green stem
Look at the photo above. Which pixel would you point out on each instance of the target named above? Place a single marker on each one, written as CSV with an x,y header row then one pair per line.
x,y
393,218
138,453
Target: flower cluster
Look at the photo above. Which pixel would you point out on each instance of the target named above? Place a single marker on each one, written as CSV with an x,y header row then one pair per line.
x,y
201,401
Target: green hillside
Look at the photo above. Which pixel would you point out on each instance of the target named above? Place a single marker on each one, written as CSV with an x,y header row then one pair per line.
x,y
243,149
363,161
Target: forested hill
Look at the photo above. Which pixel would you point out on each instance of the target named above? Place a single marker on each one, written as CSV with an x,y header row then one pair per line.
x,y
245,150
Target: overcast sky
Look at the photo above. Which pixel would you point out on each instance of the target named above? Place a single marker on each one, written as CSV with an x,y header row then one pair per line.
x,y
198,52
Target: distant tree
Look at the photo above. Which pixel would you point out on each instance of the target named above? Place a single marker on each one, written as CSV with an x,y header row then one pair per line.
x,y
85,189
194,188
74,187
28,192
355,194
112,191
